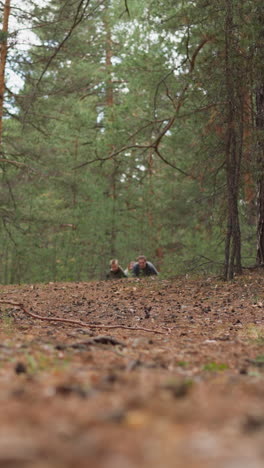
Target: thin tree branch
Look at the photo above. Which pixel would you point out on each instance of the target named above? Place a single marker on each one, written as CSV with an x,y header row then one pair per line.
x,y
112,155
157,141
127,9
8,232
14,163
77,322
76,22
172,165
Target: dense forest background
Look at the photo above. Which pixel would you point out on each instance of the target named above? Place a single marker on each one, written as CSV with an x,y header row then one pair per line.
x,y
137,127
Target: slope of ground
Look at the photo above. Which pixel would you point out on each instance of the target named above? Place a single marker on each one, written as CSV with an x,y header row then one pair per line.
x,y
175,381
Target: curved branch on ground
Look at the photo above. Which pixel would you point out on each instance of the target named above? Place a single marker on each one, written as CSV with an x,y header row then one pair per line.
x,y
77,322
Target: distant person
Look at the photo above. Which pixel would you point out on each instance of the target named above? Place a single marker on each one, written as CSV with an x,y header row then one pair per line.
x,y
144,268
116,271
129,269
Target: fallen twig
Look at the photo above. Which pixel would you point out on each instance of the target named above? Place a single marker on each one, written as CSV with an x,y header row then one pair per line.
x,y
77,322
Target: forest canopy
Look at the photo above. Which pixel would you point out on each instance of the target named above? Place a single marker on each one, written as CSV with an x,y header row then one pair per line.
x,y
137,127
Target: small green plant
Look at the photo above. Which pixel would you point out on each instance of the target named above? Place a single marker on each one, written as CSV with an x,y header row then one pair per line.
x,y
40,362
215,367
260,358
7,321
254,374
254,333
31,364
178,387
182,363
258,361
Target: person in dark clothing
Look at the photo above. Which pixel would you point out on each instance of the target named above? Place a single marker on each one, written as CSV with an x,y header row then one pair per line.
x,y
116,271
144,268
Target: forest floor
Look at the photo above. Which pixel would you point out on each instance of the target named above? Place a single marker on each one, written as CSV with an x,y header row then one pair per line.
x,y
177,382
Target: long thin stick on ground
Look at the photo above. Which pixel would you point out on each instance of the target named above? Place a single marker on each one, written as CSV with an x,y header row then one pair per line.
x,y
77,322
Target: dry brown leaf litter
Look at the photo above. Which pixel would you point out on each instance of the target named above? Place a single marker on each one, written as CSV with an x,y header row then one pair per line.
x,y
73,395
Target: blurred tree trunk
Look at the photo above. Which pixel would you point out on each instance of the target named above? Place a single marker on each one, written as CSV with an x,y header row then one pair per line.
x,y
260,179
3,55
233,150
259,97
109,105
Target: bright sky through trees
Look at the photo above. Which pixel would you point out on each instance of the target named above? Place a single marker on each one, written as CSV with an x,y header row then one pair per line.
x,y
21,38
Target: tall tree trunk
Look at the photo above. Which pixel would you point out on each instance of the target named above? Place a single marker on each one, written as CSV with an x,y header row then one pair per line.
x,y
109,104
259,102
260,178
108,62
3,55
233,155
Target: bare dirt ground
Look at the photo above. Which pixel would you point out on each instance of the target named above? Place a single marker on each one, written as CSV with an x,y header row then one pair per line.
x,y
177,382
